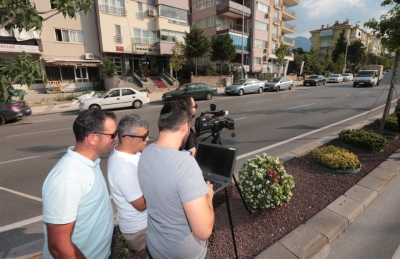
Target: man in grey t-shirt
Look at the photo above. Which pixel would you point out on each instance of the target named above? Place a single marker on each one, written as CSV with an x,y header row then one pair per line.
x,y
179,202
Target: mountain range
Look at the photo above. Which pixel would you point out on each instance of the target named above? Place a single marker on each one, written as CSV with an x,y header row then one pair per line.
x,y
302,42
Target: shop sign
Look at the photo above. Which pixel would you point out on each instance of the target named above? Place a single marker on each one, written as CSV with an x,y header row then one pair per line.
x,y
119,48
19,48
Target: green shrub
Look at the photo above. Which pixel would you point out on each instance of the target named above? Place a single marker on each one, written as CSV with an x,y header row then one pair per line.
x,y
109,67
335,158
264,182
390,123
361,139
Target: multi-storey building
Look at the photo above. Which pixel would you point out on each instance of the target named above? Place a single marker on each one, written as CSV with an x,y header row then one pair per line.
x,y
265,27
141,32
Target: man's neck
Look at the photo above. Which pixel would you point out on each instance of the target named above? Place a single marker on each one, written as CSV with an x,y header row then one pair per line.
x,y
86,152
122,148
166,139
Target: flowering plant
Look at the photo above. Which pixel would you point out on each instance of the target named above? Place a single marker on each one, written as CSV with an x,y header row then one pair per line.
x,y
264,182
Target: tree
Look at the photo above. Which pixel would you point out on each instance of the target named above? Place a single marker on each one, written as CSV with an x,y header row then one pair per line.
x,y
312,57
388,31
340,63
355,54
327,60
280,53
196,45
222,49
22,70
177,59
340,47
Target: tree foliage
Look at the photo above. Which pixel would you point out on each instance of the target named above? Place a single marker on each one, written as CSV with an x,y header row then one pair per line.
x,y
109,67
222,49
280,53
313,57
355,54
340,63
177,59
327,60
196,45
340,47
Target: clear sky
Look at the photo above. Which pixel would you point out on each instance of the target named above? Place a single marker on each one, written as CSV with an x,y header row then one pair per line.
x,y
311,14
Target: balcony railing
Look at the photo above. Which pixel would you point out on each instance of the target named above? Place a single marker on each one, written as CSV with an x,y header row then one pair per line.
x,y
233,5
276,20
286,25
145,41
239,47
176,21
277,4
232,27
275,36
109,9
291,12
118,38
288,40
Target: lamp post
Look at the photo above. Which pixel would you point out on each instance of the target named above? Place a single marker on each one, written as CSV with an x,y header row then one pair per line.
x,y
242,39
347,45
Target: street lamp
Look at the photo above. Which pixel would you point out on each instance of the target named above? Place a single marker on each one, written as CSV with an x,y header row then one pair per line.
x,y
242,39
347,45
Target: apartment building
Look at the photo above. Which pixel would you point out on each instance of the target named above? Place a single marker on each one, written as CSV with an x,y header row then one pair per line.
x,y
141,32
256,27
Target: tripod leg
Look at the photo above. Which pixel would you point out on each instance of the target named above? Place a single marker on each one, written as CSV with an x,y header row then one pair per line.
x,y
230,221
240,192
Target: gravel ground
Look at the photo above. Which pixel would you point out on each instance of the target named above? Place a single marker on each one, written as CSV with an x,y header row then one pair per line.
x,y
314,190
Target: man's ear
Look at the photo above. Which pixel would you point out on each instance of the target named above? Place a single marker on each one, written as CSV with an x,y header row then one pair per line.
x,y
92,139
185,128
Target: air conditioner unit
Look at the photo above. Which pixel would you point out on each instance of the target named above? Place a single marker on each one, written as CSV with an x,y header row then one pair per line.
x,y
174,21
264,58
152,12
89,56
265,50
267,15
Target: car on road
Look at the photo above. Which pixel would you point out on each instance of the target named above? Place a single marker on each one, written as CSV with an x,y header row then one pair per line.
x,y
347,77
335,78
245,86
116,98
196,90
14,111
315,80
279,83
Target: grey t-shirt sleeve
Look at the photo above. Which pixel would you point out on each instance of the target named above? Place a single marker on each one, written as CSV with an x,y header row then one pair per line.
x,y
189,180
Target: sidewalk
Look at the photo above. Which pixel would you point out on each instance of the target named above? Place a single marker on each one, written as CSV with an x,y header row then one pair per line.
x,y
309,238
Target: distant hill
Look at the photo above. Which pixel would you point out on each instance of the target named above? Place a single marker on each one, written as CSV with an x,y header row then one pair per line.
x,y
302,42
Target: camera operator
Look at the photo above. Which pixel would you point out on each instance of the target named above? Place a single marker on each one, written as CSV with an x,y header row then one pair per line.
x,y
188,102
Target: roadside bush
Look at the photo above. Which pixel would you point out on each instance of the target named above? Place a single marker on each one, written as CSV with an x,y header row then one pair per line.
x,y
335,158
264,183
390,123
362,139
209,68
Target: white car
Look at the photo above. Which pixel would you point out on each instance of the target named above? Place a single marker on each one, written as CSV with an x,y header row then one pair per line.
x,y
116,98
347,77
335,78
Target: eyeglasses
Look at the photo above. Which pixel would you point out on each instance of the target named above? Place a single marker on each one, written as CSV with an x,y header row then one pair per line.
x,y
195,106
144,137
113,135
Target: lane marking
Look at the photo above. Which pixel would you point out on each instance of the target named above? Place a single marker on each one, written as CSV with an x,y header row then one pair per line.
x,y
22,194
240,118
303,94
37,132
36,121
260,101
300,106
21,223
306,134
365,91
347,95
32,157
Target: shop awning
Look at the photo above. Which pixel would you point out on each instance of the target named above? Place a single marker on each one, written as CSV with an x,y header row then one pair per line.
x,y
74,63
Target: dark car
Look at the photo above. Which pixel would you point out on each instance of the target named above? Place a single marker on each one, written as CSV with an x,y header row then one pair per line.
x,y
315,80
196,90
14,111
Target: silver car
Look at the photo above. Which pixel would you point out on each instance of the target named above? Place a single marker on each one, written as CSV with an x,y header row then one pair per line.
x,y
279,83
347,77
245,86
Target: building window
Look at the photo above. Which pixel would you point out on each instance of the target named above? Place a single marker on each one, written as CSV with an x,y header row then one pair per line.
x,y
262,7
175,15
172,35
140,11
257,61
116,7
206,22
260,44
261,26
144,36
201,5
326,33
69,36
81,74
53,5
118,36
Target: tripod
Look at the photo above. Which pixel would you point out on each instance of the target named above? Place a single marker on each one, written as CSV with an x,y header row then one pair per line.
x,y
216,139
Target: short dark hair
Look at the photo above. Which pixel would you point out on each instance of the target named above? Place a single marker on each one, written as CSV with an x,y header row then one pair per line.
x,y
185,99
90,121
172,116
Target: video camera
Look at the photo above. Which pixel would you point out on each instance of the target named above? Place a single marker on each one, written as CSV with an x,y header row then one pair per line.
x,y
213,123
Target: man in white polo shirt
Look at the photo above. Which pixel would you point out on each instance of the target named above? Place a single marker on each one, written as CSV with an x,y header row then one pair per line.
x,y
77,213
133,133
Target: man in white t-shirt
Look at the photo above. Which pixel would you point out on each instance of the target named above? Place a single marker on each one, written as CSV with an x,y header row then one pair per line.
x,y
133,133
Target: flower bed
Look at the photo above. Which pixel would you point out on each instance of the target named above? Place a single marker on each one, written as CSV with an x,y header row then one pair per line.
x,y
362,139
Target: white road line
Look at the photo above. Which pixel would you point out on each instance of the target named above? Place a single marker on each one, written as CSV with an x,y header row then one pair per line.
x,y
260,101
365,91
37,121
240,118
306,134
32,157
347,95
302,94
21,194
32,133
300,106
21,223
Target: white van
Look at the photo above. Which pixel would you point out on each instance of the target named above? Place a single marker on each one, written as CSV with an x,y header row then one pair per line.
x,y
366,78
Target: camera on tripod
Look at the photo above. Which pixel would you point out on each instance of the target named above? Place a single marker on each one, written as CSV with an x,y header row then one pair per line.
x,y
213,124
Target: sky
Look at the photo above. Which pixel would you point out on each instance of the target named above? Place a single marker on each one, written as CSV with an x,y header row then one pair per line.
x,y
311,14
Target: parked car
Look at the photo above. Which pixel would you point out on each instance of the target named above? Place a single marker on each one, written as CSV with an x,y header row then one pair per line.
x,y
14,111
279,83
245,86
116,98
347,77
315,80
196,90
335,78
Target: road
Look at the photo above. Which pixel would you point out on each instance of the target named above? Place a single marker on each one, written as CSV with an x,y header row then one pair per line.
x,y
271,122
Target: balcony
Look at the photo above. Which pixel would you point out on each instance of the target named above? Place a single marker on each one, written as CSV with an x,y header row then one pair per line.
x,y
109,9
147,41
238,47
288,14
275,37
171,24
276,20
233,10
277,4
287,28
229,27
287,41
118,39
290,3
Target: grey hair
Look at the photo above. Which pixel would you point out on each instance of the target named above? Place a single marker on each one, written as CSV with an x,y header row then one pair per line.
x,y
129,125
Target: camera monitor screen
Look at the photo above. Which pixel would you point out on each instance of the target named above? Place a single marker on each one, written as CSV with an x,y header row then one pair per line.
x,y
216,159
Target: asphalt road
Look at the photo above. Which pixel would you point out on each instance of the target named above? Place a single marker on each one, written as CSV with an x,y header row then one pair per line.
x,y
271,122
